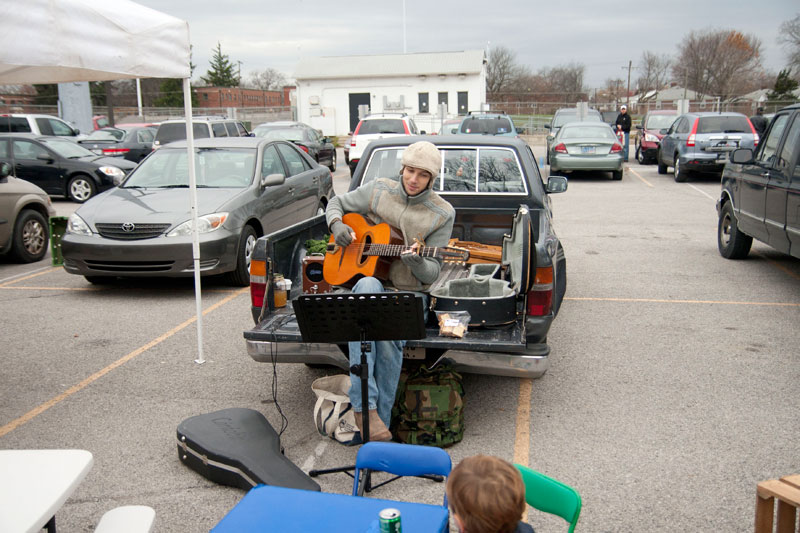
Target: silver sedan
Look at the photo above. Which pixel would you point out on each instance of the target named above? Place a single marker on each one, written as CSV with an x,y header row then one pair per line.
x,y
586,146
246,187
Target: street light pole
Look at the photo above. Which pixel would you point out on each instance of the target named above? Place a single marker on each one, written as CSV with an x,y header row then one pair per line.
x,y
628,92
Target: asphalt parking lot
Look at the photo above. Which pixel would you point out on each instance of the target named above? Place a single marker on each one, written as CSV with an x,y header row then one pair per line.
x,y
672,389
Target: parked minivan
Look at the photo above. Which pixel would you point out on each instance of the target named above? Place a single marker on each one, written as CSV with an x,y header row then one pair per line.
x,y
37,124
760,197
701,142
203,128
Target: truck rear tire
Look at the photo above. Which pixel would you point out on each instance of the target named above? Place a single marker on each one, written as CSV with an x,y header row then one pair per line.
x,y
732,243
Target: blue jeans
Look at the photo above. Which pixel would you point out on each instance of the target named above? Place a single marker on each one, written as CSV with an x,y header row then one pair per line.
x,y
625,146
385,359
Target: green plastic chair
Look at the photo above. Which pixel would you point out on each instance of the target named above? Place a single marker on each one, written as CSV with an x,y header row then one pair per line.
x,y
546,494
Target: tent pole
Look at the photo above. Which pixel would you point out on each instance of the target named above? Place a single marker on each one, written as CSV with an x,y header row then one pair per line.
x,y
187,108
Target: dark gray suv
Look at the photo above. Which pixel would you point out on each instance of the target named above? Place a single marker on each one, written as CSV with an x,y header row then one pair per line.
x,y
760,196
700,142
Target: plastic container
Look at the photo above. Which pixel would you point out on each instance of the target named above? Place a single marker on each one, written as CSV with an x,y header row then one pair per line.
x,y
279,290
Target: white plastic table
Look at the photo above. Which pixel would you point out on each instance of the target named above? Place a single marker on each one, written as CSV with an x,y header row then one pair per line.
x,y
34,484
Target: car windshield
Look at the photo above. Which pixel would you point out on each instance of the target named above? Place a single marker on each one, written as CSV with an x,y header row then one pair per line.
x,y
584,131
491,126
659,122
382,125
214,168
67,149
176,131
108,134
723,124
284,134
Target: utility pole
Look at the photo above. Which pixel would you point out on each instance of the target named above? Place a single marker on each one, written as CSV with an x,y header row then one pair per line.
x,y
628,92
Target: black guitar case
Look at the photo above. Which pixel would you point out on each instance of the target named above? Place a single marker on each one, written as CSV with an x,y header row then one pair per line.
x,y
238,447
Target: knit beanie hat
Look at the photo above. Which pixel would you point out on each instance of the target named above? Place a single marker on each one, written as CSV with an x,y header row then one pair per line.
x,y
424,155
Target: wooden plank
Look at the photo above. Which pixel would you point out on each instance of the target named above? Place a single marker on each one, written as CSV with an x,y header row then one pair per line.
x,y
786,514
793,480
778,489
764,510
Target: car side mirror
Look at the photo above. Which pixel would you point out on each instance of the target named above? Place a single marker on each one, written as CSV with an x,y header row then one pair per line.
x,y
422,132
76,131
663,131
638,126
742,156
272,180
5,170
44,157
547,126
556,184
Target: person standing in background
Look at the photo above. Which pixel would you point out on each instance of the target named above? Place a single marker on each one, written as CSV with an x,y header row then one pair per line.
x,y
624,123
759,122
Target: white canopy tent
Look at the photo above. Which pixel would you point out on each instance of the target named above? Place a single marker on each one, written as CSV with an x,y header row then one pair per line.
x,y
57,41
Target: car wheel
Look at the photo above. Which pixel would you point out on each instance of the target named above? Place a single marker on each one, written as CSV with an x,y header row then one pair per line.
x,y
616,175
662,168
640,155
677,171
240,275
30,236
80,188
732,243
332,166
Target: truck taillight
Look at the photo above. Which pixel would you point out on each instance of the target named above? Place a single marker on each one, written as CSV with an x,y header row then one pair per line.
x,y
755,135
540,297
258,282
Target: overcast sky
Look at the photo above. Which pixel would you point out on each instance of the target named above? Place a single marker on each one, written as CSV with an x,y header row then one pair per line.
x,y
270,34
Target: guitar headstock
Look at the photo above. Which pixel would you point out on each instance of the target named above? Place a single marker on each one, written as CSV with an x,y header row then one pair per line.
x,y
454,254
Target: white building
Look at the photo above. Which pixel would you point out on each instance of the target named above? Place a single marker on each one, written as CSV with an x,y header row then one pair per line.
x,y
331,89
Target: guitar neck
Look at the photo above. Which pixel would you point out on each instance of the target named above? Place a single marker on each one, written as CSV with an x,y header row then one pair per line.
x,y
393,250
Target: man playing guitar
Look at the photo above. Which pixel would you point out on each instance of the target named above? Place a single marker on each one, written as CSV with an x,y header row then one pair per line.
x,y
424,219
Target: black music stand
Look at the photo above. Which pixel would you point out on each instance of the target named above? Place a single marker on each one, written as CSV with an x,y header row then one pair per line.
x,y
362,317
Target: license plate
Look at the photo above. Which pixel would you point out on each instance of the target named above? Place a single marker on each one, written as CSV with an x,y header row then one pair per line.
x,y
587,149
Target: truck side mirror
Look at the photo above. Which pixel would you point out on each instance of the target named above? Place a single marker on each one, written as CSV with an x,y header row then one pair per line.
x,y
556,184
5,170
742,156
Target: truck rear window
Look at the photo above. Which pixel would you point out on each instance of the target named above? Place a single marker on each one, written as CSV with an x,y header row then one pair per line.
x,y
14,125
490,126
465,170
723,124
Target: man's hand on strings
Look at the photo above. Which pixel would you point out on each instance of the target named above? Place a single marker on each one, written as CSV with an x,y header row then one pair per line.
x,y
343,234
410,256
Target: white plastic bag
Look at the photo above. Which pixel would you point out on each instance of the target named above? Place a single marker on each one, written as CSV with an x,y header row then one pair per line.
x,y
333,414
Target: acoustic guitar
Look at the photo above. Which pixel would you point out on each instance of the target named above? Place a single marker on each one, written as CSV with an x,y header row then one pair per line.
x,y
374,249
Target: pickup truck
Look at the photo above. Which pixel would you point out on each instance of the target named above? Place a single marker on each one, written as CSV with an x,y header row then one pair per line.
x,y
494,184
760,193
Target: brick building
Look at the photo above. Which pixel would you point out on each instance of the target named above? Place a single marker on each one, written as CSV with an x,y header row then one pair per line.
x,y
240,97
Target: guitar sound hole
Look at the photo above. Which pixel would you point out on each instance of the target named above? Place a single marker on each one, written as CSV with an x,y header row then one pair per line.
x,y
367,241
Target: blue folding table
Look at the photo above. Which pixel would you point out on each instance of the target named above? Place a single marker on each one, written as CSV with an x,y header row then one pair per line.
x,y
278,509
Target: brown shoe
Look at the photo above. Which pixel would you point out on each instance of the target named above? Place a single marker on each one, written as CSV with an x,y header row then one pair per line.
x,y
377,429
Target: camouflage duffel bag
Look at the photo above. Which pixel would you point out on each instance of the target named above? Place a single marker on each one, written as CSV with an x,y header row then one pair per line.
x,y
429,407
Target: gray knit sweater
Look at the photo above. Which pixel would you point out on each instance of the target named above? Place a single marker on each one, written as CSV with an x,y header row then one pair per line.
x,y
426,216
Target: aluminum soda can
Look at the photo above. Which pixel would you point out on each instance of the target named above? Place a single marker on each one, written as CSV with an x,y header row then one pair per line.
x,y
390,521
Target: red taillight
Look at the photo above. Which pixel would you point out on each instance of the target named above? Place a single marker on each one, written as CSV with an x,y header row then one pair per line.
x,y
693,135
616,147
540,297
258,282
405,127
353,137
115,151
755,135
304,148
560,148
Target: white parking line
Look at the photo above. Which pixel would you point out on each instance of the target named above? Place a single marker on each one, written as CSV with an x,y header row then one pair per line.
x,y
23,274
703,193
640,177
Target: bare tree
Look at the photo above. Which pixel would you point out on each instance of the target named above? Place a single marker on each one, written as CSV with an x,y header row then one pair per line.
x,y
502,70
267,79
715,61
789,37
654,69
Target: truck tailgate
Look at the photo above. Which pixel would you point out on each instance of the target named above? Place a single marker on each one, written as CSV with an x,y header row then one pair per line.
x,y
281,326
